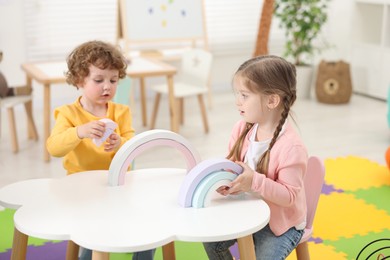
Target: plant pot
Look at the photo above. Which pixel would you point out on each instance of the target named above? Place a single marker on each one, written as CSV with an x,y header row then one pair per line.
x,y
304,81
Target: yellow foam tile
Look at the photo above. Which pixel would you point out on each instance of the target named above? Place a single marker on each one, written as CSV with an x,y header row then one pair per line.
x,y
320,251
352,173
342,215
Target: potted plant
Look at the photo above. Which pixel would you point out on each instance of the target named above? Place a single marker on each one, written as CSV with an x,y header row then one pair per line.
x,y
302,21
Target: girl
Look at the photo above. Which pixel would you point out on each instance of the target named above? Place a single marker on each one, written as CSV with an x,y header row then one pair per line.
x,y
271,153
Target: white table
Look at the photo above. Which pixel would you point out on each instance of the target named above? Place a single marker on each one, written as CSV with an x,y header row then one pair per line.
x,y
141,214
48,73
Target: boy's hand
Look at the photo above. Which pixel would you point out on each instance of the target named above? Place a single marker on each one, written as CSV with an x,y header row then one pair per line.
x,y
94,129
112,143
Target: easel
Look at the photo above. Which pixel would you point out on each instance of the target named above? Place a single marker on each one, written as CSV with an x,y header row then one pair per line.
x,y
165,47
162,45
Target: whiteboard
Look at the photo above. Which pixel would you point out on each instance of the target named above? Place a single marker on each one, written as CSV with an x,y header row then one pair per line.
x,y
150,20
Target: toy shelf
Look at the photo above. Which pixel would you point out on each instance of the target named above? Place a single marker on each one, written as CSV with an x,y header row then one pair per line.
x,y
371,47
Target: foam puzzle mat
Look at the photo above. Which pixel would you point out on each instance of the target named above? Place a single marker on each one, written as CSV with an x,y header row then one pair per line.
x,y
353,211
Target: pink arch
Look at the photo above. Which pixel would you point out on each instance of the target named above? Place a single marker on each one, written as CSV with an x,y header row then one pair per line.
x,y
143,142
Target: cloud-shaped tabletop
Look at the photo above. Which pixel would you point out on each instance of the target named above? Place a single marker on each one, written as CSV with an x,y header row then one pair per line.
x,y
142,213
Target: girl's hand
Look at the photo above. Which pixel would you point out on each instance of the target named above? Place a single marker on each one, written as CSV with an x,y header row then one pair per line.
x,y
94,129
112,143
243,182
223,190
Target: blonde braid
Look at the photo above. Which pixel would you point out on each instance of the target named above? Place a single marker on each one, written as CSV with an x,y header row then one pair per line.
x,y
235,152
262,165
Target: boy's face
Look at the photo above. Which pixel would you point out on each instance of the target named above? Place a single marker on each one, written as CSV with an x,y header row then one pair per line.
x,y
100,85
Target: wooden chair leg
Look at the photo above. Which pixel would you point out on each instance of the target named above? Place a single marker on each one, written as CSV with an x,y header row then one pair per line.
x,y
302,251
169,251
19,245
72,251
155,110
96,255
204,113
32,133
181,111
12,125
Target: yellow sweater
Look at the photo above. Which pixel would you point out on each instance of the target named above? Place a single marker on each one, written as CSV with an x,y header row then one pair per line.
x,y
82,154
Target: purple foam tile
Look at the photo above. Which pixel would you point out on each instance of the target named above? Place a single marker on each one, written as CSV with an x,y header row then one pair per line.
x,y
234,251
48,251
316,240
328,189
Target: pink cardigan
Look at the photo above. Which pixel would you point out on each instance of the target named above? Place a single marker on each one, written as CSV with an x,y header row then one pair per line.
x,y
282,188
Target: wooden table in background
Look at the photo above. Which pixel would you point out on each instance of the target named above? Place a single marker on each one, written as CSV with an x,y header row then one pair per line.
x,y
48,73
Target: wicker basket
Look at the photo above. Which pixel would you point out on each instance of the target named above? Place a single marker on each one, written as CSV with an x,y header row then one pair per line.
x,y
333,84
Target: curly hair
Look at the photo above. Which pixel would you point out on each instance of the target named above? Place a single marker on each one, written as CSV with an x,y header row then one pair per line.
x,y
100,54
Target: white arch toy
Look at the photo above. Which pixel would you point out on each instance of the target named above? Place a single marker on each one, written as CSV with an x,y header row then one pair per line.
x,y
202,177
142,142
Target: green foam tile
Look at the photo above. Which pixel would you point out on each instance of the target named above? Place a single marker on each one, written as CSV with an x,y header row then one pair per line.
x,y
376,196
352,246
7,231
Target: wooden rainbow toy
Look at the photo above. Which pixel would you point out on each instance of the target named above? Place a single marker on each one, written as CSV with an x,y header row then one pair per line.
x,y
110,128
202,179
144,141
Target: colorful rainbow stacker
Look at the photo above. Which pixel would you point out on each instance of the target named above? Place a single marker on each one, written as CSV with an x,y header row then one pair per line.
x,y
200,183
202,179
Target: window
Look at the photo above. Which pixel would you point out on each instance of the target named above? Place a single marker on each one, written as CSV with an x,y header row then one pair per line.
x,y
54,27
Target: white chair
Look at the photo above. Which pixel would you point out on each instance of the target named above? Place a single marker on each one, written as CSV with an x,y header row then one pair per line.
x,y
123,93
193,81
314,180
9,103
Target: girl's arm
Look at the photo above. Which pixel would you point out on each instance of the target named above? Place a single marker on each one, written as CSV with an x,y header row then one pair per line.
x,y
288,179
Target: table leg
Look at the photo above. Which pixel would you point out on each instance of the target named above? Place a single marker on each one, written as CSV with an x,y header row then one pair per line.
x,y
46,119
72,251
143,101
31,132
246,248
169,251
96,255
19,245
172,105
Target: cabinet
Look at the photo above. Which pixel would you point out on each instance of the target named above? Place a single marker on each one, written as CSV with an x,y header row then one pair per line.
x,y
370,52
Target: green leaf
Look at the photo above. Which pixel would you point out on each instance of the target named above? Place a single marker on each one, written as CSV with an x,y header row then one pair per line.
x,y
302,21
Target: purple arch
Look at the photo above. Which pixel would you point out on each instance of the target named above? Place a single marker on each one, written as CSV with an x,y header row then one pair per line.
x,y
201,171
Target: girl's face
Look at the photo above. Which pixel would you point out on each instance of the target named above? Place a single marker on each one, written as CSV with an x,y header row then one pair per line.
x,y
251,105
100,85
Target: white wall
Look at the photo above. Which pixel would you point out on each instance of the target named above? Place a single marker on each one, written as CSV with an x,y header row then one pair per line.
x,y
13,45
12,41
